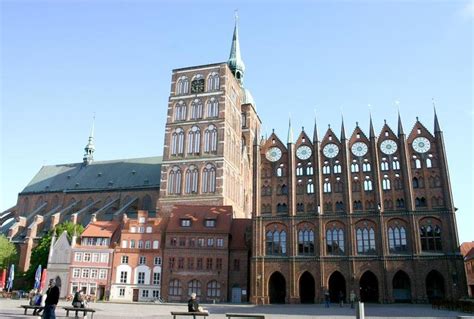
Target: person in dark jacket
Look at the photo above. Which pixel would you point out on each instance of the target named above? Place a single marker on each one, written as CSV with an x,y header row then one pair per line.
x,y
52,298
193,305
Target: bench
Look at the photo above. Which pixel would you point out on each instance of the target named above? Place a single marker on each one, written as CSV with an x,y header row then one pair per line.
x,y
189,314
83,310
241,315
35,308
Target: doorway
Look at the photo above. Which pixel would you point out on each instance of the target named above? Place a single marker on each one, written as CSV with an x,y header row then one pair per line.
x,y
434,286
369,287
401,287
277,288
337,284
307,288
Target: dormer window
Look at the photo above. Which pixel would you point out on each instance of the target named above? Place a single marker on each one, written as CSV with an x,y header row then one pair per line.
x,y
210,223
185,223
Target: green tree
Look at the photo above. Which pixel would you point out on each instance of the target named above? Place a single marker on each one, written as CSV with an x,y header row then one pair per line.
x,y
39,255
8,254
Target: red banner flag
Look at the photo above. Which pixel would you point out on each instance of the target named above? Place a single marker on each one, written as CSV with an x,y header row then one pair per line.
x,y
43,280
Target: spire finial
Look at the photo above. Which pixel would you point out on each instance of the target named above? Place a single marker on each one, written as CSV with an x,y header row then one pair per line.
x,y
343,130
371,128
400,126
437,128
315,130
290,131
90,147
235,62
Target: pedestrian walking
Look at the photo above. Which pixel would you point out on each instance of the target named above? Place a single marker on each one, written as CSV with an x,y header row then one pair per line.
x,y
52,298
327,298
341,298
352,298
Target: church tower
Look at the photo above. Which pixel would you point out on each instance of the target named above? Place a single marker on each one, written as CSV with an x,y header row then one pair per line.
x,y
211,123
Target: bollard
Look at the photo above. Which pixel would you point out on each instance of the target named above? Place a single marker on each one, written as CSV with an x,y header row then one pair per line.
x,y
360,314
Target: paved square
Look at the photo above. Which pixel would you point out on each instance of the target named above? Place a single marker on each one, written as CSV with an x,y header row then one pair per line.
x,y
10,309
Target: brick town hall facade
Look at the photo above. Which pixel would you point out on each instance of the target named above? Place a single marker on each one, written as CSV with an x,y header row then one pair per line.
x,y
370,213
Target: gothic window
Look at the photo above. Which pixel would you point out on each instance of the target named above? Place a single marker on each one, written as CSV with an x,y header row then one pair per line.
x,y
209,179
327,187
437,181
388,204
365,240
437,201
396,164
194,286
384,166
420,202
429,164
180,111
305,242
400,202
196,109
191,180
299,188
182,86
146,202
175,287
416,163
210,139
369,204
213,289
282,208
339,205
397,239
326,169
244,120
300,207
416,184
385,183
354,168
174,181
299,170
337,168
366,167
338,186
356,186
213,82
177,142
327,206
280,171
397,183
276,242
197,84
310,187
194,140
430,236
284,189
368,185
212,108
309,169
335,241
357,205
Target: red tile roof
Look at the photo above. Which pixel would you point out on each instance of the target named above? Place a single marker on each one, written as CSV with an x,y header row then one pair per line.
x,y
241,229
198,215
466,248
100,229
469,255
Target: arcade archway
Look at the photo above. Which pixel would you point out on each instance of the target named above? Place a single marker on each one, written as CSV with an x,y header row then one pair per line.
x,y
307,288
369,287
337,284
277,288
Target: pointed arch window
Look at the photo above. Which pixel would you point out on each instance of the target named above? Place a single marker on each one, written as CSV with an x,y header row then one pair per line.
x,y
337,168
420,202
276,242
384,166
326,169
354,168
212,108
174,181
416,162
357,205
327,187
400,202
194,140
280,170
210,139
309,169
365,240
310,187
196,109
300,207
335,241
182,86
429,164
395,164
191,180
397,239
194,286
366,167
385,183
209,179
299,170
177,142
213,82
368,185
356,185
180,110
305,242
430,236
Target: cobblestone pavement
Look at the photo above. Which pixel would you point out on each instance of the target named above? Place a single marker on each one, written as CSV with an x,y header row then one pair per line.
x,y
9,309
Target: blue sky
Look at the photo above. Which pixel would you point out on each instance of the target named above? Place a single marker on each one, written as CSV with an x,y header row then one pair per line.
x,y
61,62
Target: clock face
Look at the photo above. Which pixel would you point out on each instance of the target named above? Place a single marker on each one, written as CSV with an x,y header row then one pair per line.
x,y
330,150
273,154
388,147
303,152
197,86
421,144
359,149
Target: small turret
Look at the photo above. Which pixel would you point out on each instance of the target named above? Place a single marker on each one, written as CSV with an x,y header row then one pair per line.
x,y
90,147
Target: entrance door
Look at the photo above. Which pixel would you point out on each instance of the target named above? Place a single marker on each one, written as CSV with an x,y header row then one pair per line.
x,y
337,284
101,293
307,288
135,294
369,287
277,288
401,287
236,295
434,286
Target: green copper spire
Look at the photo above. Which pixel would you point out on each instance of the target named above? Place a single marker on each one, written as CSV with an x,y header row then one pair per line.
x,y
235,62
90,147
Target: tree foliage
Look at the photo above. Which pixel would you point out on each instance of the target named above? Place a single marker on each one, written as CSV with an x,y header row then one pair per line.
x,y
39,255
8,253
